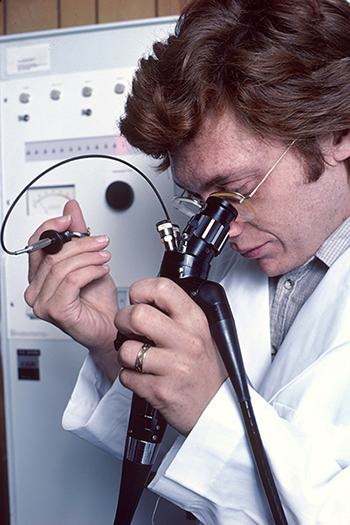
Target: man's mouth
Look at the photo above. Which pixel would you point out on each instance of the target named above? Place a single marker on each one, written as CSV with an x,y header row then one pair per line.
x,y
251,253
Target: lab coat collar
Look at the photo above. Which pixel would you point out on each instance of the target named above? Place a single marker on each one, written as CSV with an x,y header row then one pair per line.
x,y
321,325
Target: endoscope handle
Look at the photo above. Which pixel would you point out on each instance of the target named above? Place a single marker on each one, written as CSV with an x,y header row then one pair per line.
x,y
145,432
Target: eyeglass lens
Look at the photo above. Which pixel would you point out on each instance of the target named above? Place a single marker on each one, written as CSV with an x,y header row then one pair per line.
x,y
190,205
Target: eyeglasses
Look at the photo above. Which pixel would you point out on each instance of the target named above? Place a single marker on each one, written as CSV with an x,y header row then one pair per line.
x,y
190,204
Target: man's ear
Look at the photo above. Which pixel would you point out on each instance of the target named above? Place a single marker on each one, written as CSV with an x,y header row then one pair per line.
x,y
341,145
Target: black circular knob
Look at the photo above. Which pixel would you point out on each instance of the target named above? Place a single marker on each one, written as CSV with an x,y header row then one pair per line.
x,y
119,195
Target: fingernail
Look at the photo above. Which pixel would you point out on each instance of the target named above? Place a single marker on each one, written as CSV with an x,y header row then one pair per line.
x,y
102,238
64,219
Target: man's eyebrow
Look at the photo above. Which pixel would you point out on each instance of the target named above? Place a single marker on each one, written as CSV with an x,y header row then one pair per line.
x,y
221,180
232,177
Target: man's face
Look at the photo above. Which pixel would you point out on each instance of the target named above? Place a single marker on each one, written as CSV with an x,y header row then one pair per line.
x,y
293,216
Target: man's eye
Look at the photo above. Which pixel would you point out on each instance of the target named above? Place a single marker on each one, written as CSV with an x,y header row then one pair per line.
x,y
239,189
243,189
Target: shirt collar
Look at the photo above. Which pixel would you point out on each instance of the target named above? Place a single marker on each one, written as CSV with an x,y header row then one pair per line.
x,y
335,245
332,248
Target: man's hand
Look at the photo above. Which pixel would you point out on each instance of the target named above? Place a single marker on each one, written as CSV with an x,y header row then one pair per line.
x,y
73,289
183,370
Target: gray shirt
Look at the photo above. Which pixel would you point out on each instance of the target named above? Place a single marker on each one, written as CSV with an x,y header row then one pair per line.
x,y
289,292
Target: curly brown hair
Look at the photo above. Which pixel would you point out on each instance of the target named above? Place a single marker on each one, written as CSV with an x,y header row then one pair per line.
x,y
283,66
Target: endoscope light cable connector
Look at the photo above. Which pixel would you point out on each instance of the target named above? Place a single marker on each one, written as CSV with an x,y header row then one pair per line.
x,y
51,241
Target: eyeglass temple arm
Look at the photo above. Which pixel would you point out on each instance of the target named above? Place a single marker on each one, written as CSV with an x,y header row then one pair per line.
x,y
271,169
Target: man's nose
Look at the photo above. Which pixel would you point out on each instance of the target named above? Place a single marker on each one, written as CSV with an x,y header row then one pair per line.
x,y
236,229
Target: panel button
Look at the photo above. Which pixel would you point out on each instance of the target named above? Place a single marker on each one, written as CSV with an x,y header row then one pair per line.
x,y
24,98
55,94
86,91
119,88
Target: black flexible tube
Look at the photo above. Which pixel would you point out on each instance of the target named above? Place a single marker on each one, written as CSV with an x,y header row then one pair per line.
x,y
130,491
261,463
211,297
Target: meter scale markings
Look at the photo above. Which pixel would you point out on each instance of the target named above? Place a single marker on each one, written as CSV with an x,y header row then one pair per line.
x,y
48,199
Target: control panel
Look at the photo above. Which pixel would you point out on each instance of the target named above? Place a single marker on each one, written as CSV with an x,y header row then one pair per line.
x,y
62,93
54,118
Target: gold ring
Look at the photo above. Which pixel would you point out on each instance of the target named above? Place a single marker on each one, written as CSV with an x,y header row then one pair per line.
x,y
140,357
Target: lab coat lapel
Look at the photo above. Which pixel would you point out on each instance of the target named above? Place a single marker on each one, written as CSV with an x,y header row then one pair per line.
x,y
322,324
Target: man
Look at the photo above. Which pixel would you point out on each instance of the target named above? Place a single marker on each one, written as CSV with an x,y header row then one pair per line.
x,y
250,98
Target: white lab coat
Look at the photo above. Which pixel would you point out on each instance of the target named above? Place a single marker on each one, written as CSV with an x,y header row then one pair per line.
x,y
301,403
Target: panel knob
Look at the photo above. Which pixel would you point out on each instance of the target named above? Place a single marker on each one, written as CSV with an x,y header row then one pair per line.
x,y
119,195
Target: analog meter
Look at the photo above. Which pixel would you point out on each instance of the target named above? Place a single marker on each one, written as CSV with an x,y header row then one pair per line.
x,y
48,200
